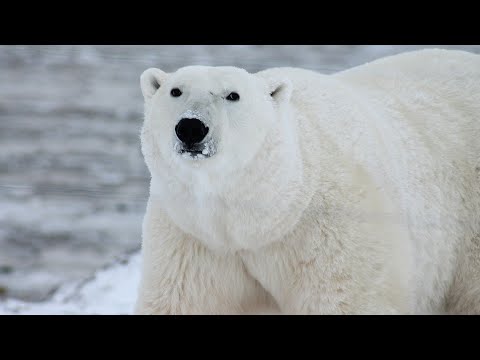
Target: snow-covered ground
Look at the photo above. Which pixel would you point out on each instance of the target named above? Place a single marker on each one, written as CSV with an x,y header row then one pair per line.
x,y
73,184
110,291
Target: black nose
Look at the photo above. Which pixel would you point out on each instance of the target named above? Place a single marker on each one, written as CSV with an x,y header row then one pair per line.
x,y
191,131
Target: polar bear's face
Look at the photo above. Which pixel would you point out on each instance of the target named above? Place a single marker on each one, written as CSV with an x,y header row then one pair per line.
x,y
207,120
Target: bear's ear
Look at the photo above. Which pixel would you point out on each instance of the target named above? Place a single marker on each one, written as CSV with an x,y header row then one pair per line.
x,y
280,90
150,81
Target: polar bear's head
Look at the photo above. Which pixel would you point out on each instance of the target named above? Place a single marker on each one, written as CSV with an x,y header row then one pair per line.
x,y
207,121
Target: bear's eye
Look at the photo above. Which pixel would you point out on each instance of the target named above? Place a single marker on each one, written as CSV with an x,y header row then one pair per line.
x,y
175,92
233,96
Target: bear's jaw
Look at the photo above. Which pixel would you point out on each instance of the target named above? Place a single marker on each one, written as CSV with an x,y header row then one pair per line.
x,y
196,152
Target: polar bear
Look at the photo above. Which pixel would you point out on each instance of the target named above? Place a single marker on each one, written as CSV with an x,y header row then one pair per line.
x,y
288,191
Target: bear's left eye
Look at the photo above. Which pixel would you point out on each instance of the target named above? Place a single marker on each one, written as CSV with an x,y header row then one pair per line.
x,y
233,96
175,92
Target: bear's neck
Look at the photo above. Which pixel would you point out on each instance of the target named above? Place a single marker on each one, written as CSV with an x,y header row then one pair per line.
x,y
260,204
271,190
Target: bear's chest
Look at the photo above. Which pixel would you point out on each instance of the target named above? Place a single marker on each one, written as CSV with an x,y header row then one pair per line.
x,y
213,221
228,226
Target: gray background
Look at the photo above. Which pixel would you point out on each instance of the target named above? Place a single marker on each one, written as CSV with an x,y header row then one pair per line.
x,y
73,184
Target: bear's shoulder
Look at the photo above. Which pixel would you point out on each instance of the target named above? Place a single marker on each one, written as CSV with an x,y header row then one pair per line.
x,y
291,73
420,64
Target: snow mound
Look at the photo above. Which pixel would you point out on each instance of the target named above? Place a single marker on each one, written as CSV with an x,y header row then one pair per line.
x,y
111,291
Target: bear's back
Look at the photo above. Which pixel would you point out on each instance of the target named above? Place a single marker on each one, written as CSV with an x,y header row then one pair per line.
x,y
435,93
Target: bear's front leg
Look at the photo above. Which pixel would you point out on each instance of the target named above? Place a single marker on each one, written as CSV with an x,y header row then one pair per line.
x,y
182,276
313,284
359,267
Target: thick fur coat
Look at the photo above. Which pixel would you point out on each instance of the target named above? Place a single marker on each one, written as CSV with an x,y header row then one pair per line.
x,y
351,193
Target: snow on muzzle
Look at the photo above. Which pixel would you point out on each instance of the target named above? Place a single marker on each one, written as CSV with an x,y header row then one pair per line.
x,y
193,136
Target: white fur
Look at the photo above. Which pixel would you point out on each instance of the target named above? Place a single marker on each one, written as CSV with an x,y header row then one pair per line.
x,y
352,193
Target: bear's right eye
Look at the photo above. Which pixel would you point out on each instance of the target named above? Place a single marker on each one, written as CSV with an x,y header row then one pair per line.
x,y
175,92
233,96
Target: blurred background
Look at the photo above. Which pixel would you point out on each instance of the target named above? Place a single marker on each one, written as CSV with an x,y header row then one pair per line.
x,y
73,184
